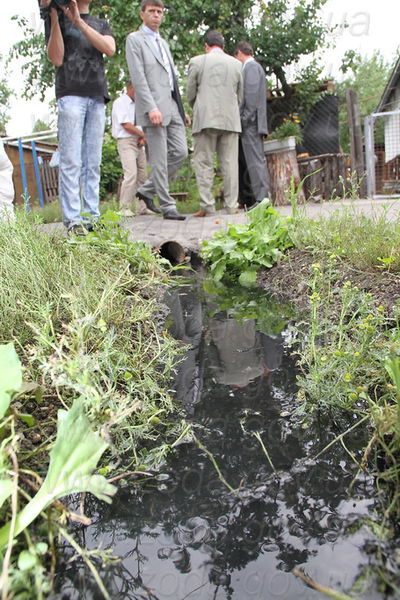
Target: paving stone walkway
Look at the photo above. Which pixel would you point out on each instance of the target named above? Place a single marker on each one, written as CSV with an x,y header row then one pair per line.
x,y
191,232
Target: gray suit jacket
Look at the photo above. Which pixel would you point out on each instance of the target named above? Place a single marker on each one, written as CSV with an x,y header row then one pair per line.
x,y
253,110
214,91
150,78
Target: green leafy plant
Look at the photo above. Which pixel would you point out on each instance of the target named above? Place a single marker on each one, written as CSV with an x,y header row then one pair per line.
x,y
289,127
10,375
244,304
111,169
74,456
240,251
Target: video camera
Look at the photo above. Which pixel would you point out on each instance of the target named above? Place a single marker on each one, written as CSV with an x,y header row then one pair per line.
x,y
57,4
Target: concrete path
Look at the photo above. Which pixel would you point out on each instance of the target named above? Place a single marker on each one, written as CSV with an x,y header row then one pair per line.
x,y
190,233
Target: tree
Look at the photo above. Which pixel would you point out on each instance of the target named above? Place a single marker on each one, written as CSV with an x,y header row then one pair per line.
x,y
41,125
368,77
287,32
281,31
5,94
38,69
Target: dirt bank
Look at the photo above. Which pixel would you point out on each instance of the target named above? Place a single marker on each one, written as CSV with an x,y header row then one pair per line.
x,y
288,280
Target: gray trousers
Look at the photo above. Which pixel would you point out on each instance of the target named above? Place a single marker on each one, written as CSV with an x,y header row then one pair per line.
x,y
167,149
226,145
253,150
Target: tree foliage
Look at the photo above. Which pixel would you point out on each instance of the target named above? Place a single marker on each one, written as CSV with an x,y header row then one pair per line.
x,y
41,125
368,77
286,32
280,30
5,94
38,70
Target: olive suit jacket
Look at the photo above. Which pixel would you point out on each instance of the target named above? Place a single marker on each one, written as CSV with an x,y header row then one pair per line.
x,y
215,91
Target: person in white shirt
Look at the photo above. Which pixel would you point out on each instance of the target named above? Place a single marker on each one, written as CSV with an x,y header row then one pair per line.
x,y
131,149
6,186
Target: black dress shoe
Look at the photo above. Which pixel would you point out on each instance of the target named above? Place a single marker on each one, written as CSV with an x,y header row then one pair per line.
x,y
174,215
149,203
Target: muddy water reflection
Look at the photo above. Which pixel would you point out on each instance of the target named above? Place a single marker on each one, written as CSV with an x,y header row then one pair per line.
x,y
186,535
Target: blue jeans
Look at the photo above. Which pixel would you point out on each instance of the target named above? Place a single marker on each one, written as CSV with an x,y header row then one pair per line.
x,y
80,138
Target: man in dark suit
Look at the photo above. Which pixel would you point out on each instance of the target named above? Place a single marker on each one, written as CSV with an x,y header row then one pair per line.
x,y
253,173
159,109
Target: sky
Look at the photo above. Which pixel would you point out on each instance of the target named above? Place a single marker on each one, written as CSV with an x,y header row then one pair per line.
x,y
372,25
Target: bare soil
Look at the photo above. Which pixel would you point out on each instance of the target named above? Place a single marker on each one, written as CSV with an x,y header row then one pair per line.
x,y
288,280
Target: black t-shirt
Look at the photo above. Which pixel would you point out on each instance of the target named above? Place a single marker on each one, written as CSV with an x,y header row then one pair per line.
x,y
82,72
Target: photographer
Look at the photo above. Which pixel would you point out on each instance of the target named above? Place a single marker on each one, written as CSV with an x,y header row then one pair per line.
x,y
76,42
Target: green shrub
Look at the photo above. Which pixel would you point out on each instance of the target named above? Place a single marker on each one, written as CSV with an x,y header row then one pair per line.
x,y
111,169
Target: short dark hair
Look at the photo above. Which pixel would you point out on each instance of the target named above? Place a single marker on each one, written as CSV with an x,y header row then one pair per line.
x,y
244,47
214,38
145,3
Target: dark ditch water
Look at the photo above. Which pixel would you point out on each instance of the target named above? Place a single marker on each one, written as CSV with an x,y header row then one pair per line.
x,y
185,535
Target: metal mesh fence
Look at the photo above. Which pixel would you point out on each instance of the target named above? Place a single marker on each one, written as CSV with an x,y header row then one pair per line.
x,y
382,148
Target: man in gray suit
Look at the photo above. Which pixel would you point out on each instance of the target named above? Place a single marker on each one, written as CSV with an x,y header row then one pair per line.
x,y
253,114
159,107
214,90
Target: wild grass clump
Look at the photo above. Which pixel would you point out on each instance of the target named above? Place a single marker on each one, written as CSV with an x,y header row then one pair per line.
x,y
366,241
82,313
347,338
349,356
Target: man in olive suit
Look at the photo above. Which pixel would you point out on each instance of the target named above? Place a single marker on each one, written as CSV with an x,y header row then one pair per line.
x,y
253,174
214,91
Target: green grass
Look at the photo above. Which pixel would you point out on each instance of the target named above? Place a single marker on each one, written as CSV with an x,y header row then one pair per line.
x,y
51,212
365,241
82,316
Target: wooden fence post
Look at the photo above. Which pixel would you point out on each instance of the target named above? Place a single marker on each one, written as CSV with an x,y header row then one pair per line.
x,y
356,143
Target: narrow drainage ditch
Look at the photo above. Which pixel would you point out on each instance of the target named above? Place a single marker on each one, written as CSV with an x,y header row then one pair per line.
x,y
186,534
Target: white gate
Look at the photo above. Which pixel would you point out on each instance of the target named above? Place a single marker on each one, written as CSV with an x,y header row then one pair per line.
x,y
382,154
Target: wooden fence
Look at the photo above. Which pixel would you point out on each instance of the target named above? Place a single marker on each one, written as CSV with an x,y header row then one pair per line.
x,y
328,176
49,179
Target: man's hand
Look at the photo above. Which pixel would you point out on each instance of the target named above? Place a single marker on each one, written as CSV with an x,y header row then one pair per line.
x,y
188,120
102,43
72,12
155,117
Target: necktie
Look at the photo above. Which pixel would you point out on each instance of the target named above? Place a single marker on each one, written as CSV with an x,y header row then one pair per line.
x,y
160,48
165,60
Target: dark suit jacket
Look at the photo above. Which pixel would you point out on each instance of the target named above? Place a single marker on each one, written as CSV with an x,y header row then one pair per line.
x,y
253,110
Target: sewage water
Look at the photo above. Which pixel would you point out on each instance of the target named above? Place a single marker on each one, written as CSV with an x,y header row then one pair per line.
x,y
230,517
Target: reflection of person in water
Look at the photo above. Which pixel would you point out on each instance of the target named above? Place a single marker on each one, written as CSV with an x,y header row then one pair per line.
x,y
239,353
186,326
